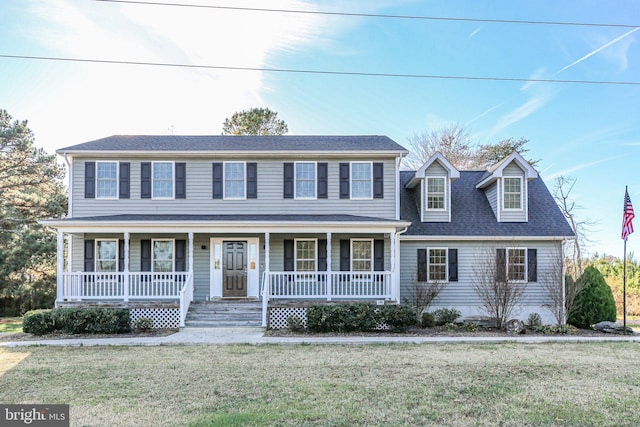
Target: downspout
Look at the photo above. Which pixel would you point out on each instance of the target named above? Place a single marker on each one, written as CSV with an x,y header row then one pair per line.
x,y
70,198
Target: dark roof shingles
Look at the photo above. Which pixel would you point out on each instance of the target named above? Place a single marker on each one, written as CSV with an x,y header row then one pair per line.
x,y
471,214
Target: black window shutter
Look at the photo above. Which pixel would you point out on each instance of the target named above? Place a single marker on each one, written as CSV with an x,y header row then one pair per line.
x,y
378,255
323,178
345,255
344,180
120,255
89,180
322,254
181,180
252,180
288,181
378,180
422,274
89,255
181,255
453,265
145,255
289,255
532,265
217,180
145,181
125,179
501,265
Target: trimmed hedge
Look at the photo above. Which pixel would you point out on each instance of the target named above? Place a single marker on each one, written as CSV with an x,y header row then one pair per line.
x,y
359,317
96,320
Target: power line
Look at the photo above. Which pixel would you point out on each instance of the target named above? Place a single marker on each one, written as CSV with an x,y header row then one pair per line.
x,y
375,15
320,72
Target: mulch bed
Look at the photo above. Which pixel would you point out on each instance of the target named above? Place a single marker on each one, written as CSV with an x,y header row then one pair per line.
x,y
59,335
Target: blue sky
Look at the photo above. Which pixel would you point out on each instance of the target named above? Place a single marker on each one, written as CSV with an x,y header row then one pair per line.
x,y
588,132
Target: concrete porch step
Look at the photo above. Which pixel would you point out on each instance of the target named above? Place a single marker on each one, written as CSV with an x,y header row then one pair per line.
x,y
224,314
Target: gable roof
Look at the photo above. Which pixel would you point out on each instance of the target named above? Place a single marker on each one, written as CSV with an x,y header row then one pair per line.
x,y
471,214
495,171
239,144
439,158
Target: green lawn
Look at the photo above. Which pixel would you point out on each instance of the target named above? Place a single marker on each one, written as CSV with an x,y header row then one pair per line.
x,y
10,324
455,385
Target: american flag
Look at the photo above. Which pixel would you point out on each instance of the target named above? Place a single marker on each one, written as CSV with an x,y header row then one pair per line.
x,y
627,216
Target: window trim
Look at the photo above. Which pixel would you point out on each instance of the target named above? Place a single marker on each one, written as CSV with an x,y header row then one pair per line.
x,y
98,163
295,255
173,255
173,180
446,265
352,252
315,181
504,193
444,194
525,263
351,181
97,259
224,180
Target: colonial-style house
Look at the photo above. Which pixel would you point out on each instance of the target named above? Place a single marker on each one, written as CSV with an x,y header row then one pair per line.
x,y
158,222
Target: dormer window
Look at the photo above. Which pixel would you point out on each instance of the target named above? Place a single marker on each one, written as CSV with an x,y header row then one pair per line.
x,y
512,193
436,193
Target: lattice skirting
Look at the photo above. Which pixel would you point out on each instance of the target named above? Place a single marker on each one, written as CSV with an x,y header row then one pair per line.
x,y
163,318
278,316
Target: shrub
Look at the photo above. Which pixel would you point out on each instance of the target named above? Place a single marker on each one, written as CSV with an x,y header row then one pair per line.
x,y
295,323
38,322
398,317
442,316
534,320
427,320
594,303
143,324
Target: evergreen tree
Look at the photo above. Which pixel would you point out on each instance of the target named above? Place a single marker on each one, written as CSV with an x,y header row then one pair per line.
x,y
594,303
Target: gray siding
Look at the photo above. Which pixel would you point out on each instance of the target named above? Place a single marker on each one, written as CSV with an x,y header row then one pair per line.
x,y
461,294
270,193
436,169
492,196
510,215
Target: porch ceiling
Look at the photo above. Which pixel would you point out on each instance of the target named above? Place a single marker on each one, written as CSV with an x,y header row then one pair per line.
x,y
226,223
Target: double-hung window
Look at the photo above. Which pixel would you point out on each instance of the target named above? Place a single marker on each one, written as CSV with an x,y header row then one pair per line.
x,y
306,255
107,255
436,193
107,180
437,265
234,180
163,255
361,180
305,175
517,264
162,187
512,193
362,255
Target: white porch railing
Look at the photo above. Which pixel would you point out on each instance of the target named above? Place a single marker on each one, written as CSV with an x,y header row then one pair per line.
x,y
186,296
120,286
323,285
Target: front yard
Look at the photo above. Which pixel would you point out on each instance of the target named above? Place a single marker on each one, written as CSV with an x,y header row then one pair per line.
x,y
456,385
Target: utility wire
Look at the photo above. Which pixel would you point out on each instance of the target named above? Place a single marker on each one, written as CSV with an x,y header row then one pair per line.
x,y
321,72
374,15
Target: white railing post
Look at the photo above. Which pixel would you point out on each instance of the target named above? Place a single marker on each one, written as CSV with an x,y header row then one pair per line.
x,y
60,268
191,258
265,296
125,281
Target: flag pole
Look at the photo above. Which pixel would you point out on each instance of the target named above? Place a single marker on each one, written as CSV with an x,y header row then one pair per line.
x,y
624,290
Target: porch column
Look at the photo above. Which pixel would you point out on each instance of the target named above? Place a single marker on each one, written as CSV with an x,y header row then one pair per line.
x,y
395,270
191,264
69,253
60,268
267,280
127,236
329,281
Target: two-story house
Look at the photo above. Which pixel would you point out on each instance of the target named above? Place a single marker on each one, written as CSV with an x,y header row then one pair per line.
x,y
156,222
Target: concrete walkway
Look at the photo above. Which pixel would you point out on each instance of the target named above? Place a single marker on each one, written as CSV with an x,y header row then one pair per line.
x,y
253,335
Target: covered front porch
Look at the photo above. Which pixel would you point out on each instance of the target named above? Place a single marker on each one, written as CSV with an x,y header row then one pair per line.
x,y
185,261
